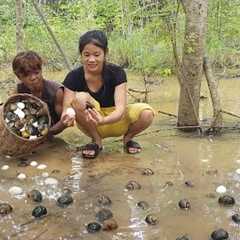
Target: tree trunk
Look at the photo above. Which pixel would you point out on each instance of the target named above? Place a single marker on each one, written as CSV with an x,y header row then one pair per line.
x,y
191,67
19,25
213,88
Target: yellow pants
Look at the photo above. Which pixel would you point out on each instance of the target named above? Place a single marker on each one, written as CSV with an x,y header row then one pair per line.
x,y
120,128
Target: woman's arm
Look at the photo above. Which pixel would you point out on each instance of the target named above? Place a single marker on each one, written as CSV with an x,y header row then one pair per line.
x,y
120,98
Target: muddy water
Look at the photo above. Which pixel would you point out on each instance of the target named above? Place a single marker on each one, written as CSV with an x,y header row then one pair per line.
x,y
207,162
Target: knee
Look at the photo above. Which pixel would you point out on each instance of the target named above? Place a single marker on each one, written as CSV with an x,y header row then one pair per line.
x,y
147,116
79,102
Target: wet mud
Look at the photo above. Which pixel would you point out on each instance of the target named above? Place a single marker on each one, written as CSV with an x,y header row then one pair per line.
x,y
175,158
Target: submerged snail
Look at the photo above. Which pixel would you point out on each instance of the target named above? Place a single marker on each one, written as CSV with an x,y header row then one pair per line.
x,y
103,215
64,200
103,200
133,185
143,205
185,237
35,195
188,183
5,209
151,219
226,200
66,190
147,172
184,204
109,225
93,227
219,234
23,162
39,211
236,218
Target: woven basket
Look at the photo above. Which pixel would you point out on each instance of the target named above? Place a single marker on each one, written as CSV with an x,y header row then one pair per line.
x,y
10,143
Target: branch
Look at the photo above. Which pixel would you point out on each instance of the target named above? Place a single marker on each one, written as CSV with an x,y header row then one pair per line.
x,y
229,113
52,35
169,114
138,91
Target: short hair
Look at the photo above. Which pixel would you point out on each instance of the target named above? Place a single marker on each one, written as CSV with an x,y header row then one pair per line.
x,y
96,37
26,62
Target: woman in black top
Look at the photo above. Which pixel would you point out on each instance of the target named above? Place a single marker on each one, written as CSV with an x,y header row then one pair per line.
x,y
97,92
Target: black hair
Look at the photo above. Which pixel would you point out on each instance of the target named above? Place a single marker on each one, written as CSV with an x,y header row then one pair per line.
x,y
26,62
96,37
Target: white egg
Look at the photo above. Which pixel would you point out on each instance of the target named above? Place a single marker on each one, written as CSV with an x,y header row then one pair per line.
x,y
21,176
32,137
45,174
20,113
15,190
41,166
70,112
20,105
221,189
51,181
5,167
238,171
35,124
33,163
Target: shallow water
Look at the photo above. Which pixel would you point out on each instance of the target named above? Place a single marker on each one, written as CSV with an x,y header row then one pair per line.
x,y
174,157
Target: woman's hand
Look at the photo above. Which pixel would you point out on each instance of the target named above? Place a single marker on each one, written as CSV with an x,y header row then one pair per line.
x,y
93,116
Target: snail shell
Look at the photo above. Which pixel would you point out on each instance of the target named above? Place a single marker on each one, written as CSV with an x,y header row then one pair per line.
x,y
39,211
151,219
64,200
5,209
103,200
236,218
35,195
226,200
93,227
147,172
133,185
143,205
103,215
185,237
219,234
109,225
184,204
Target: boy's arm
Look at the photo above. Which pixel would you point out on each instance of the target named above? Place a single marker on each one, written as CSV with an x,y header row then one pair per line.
x,y
59,126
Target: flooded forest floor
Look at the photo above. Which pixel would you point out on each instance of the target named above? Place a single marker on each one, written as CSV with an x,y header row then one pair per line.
x,y
185,166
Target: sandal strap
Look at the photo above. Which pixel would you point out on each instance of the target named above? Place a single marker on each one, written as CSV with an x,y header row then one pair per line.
x,y
91,147
133,144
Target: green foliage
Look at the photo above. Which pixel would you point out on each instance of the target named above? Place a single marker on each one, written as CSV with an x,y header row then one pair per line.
x,y
108,14
138,35
223,33
141,52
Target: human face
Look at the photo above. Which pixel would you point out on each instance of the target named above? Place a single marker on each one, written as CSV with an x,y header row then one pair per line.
x,y
32,80
93,58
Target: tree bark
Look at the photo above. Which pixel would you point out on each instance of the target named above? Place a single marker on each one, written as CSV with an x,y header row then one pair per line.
x,y
190,74
19,25
213,88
